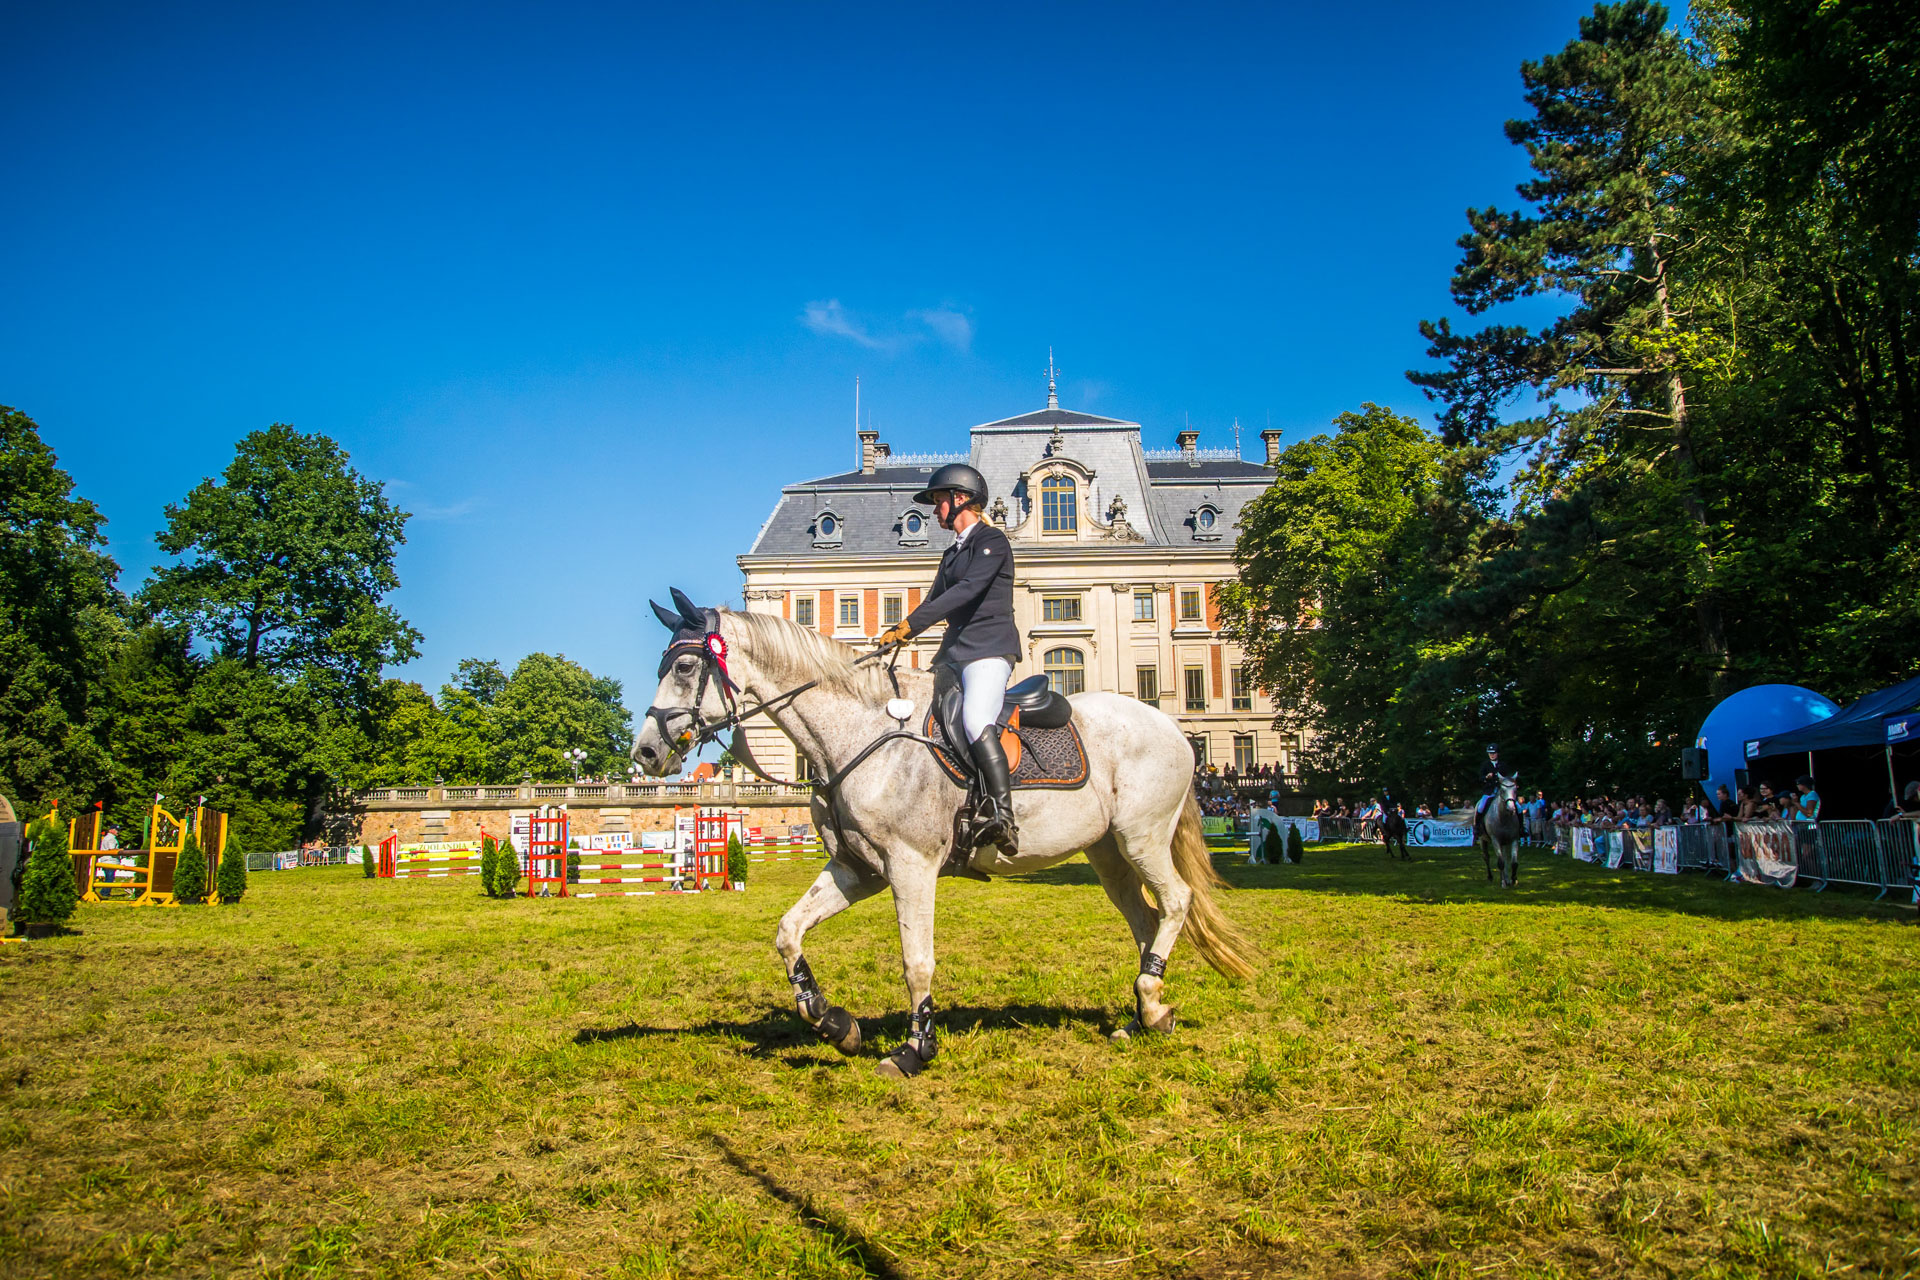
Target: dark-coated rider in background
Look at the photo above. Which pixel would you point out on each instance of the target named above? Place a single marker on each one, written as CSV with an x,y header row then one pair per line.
x,y
973,594
1489,782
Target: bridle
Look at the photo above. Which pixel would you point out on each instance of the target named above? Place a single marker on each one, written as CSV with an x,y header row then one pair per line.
x,y
712,648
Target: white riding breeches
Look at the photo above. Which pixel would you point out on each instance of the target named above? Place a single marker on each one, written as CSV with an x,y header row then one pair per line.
x,y
983,691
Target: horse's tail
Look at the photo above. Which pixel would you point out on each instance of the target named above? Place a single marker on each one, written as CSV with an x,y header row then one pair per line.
x,y
1217,939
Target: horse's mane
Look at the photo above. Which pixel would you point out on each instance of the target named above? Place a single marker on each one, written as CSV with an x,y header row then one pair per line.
x,y
804,654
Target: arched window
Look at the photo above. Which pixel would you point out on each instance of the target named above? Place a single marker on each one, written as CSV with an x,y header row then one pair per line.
x,y
1066,669
914,524
828,526
1058,507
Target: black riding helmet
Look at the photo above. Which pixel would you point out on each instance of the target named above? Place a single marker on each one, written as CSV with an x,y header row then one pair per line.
x,y
955,475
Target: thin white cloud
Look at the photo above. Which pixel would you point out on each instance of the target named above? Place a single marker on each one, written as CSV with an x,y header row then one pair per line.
x,y
429,510
831,319
945,324
948,325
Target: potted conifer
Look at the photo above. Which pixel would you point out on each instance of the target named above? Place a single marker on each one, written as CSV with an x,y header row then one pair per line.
x,y
48,893
736,862
190,872
232,877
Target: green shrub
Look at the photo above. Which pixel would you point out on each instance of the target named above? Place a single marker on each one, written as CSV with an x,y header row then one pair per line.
x,y
506,869
736,860
489,865
1270,841
190,872
367,865
1296,848
573,862
48,893
232,877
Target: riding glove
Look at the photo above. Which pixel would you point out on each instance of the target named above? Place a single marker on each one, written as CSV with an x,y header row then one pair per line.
x,y
896,634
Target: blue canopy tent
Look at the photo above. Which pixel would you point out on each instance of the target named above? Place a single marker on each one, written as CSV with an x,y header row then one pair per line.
x,y
1839,752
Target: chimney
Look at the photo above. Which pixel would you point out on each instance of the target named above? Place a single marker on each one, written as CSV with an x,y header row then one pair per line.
x,y
1188,440
870,447
1272,439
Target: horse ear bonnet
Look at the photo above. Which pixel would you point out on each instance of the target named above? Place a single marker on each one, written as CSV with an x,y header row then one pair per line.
x,y
692,625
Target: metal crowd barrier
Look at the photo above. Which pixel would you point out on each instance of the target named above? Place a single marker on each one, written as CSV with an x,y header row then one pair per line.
x,y
1872,855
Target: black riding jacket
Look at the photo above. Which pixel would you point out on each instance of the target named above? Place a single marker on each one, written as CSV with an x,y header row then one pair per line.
x,y
973,594
1490,776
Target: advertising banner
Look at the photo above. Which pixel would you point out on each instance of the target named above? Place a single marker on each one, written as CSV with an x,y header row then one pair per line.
x,y
1583,843
1453,830
1616,848
1766,854
1640,840
1666,850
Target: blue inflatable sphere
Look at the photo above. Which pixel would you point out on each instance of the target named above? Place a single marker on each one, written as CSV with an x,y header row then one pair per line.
x,y
1754,713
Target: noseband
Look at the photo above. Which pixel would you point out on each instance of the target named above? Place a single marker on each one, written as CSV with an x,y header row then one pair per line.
x,y
712,649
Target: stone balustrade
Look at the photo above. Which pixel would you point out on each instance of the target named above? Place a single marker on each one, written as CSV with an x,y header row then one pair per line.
x,y
537,793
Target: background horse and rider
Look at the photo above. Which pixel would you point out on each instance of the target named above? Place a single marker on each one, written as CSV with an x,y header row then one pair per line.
x,y
887,812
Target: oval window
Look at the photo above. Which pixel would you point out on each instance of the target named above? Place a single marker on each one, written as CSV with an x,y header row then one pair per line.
x,y
828,526
1206,519
914,523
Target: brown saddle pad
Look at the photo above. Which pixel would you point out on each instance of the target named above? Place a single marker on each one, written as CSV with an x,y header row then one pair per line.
x,y
1040,758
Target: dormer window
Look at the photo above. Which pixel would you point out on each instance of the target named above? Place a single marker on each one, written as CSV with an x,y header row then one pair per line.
x,y
1206,523
827,529
913,528
1059,504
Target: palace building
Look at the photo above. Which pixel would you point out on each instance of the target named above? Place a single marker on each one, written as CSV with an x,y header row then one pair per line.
x,y
1118,549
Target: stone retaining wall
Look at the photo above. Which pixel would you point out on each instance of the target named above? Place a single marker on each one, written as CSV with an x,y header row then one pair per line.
x,y
431,814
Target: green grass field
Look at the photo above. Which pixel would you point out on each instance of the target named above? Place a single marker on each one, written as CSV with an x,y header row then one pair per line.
x,y
1597,1073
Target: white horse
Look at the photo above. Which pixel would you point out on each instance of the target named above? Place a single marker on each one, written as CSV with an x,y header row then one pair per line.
x,y
888,822
1500,831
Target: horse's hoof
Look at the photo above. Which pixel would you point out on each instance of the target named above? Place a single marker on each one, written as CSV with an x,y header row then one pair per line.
x,y
841,1030
904,1064
1163,1025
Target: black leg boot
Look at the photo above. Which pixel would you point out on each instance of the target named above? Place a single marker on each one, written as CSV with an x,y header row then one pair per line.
x,y
995,827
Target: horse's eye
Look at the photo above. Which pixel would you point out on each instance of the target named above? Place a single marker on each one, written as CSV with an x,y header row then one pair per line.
x,y
685,666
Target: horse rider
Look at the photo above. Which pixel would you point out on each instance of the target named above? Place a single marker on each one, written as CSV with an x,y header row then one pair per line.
x,y
973,594
1489,782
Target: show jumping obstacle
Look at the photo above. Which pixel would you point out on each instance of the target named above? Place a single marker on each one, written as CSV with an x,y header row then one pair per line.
x,y
695,862
148,869
426,861
691,858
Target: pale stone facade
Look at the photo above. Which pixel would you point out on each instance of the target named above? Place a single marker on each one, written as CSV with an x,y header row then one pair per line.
x,y
1117,551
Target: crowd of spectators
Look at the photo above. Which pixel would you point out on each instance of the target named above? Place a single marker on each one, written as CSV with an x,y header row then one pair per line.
x,y
1221,795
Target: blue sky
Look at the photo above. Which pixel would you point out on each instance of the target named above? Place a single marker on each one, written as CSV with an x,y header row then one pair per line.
x,y
585,286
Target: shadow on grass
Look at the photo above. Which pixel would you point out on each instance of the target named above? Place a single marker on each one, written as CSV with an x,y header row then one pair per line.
x,y
1456,876
779,1029
847,1240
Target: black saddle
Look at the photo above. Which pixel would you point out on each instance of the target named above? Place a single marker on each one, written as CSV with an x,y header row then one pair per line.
x,y
1039,706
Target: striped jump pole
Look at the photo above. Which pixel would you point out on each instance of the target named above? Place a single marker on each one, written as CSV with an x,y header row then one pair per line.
x,y
629,867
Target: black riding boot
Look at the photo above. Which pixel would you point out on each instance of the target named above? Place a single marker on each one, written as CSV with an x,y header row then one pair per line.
x,y
994,827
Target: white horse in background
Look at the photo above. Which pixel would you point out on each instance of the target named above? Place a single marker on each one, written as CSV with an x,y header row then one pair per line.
x,y
888,822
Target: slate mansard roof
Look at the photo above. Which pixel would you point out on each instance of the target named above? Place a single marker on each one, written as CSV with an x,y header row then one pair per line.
x,y
1163,491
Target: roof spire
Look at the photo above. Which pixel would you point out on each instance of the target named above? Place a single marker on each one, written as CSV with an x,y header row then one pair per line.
x,y
1053,395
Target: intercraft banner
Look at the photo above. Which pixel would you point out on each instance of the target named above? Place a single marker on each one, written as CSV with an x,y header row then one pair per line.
x,y
1615,846
1666,850
1455,830
1766,854
1583,843
1641,838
